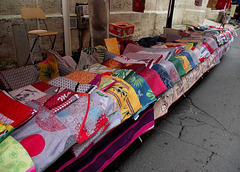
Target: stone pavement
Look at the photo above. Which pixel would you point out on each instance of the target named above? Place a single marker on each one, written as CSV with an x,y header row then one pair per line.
x,y
201,132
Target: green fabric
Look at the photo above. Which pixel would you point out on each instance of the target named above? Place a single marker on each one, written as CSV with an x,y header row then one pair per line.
x,y
178,65
13,156
124,74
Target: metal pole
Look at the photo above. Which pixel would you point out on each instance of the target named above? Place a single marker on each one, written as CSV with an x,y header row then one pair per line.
x,y
170,13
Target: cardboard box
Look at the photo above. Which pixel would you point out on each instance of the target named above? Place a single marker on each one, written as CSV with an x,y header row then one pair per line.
x,y
121,29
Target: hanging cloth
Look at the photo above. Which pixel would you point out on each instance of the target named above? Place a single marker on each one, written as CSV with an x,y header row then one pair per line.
x,y
138,5
198,3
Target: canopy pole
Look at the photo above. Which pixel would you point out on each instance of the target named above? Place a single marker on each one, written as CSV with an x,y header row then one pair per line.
x,y
170,13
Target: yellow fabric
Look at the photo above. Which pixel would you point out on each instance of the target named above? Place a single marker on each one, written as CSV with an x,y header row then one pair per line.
x,y
186,45
112,45
125,96
48,69
186,64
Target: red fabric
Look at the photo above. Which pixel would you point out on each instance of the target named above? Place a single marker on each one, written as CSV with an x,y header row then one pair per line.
x,y
221,4
138,5
14,110
208,47
42,86
154,81
58,99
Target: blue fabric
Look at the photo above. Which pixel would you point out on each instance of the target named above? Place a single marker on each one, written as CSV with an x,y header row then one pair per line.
x,y
144,92
189,58
163,75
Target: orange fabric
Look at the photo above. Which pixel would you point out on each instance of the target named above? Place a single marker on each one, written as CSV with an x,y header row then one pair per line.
x,y
82,77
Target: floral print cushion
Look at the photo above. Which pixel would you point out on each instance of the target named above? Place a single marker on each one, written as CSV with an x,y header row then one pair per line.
x,y
48,69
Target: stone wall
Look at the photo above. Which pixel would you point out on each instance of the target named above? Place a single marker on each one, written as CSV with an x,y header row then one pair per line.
x,y
149,23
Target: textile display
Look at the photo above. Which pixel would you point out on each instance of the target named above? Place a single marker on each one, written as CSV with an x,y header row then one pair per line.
x,y
112,45
14,157
185,62
70,84
44,136
144,92
83,77
48,69
90,56
132,48
178,65
66,61
13,112
106,83
163,75
124,74
125,96
17,78
98,68
5,130
154,81
171,70
110,147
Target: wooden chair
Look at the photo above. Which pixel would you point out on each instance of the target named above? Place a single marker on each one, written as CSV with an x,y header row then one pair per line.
x,y
37,13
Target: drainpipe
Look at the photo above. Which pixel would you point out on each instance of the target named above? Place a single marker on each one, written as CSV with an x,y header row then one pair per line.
x,y
67,31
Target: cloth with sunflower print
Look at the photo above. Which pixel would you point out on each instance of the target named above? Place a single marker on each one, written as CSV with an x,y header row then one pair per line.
x,y
48,69
125,96
14,157
144,92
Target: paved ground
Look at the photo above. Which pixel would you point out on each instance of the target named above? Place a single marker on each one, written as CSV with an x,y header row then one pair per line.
x,y
201,132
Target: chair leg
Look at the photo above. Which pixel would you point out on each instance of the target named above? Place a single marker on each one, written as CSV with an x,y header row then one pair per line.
x,y
54,39
30,52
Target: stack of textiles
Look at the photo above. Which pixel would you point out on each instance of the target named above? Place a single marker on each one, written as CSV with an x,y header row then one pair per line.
x,y
98,112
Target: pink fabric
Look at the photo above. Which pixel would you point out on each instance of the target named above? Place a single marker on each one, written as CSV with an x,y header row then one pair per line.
x,y
154,81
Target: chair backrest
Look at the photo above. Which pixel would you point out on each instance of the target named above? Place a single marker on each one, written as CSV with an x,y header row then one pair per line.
x,y
31,13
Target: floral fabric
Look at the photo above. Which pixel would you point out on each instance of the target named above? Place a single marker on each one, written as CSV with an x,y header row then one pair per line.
x,y
154,81
125,96
144,92
171,70
97,68
124,74
14,157
48,69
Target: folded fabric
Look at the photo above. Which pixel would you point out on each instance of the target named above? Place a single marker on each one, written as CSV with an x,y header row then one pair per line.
x,y
124,74
106,83
171,70
17,78
144,92
145,56
44,136
125,96
185,62
84,117
13,112
70,84
82,77
132,48
111,110
154,81
190,59
5,130
66,61
14,157
98,68
163,75
178,65
39,91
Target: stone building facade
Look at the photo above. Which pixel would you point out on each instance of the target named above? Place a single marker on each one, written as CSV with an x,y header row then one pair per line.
x,y
149,23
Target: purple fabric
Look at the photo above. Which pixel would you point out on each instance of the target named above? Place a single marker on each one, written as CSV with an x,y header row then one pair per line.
x,y
107,149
